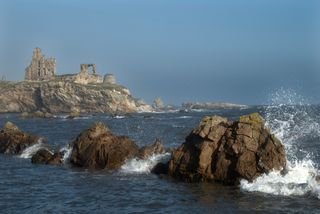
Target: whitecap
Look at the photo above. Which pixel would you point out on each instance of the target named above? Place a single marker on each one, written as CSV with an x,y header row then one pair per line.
x,y
292,120
140,166
31,150
66,150
185,117
300,179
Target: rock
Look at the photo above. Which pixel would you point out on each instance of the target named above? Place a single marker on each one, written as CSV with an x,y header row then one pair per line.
x,y
36,114
160,169
60,96
44,156
14,141
156,148
98,148
75,112
226,151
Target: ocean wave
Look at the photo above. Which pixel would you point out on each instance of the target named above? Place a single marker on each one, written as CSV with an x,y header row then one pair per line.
x,y
140,166
31,150
66,150
292,120
184,117
300,179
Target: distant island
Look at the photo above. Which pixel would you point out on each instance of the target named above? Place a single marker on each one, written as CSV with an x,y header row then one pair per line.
x,y
211,105
44,90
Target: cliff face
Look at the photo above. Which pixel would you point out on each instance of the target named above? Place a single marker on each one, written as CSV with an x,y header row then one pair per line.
x,y
61,96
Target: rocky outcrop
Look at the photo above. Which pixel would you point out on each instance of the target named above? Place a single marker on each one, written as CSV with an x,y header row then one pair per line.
x,y
44,156
98,148
62,96
156,148
226,151
36,114
14,141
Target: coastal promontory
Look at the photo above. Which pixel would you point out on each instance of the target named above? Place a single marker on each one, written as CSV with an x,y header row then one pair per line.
x,y
43,90
62,96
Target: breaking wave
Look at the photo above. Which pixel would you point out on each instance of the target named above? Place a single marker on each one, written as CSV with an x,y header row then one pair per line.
x,y
295,123
31,150
66,150
140,166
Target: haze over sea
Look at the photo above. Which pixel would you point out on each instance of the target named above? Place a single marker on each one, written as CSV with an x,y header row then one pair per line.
x,y
179,50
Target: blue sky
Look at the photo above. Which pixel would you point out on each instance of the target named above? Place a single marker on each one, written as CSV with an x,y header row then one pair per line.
x,y
179,50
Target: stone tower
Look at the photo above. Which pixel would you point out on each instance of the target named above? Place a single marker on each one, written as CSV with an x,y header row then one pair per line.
x,y
40,68
109,79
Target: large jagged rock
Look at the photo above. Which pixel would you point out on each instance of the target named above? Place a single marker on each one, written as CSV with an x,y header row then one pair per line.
x,y
156,148
44,156
98,148
14,141
226,151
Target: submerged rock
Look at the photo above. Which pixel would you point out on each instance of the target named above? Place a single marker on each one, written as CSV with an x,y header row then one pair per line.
x,y
156,148
44,156
226,151
14,141
98,148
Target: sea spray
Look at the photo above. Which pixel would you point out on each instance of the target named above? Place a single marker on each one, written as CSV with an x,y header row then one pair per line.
x,y
293,121
31,150
66,150
140,166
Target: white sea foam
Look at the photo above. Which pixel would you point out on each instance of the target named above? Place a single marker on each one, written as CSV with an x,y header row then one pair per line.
x,y
299,180
67,153
139,166
185,117
119,117
31,150
290,119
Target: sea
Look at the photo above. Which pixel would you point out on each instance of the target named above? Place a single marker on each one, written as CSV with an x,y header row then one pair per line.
x,y
29,188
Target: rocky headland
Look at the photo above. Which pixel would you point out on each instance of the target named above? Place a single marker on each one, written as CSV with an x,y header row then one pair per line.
x,y
55,96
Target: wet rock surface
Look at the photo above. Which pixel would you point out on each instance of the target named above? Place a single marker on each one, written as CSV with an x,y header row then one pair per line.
x,y
227,151
98,148
156,148
44,156
14,141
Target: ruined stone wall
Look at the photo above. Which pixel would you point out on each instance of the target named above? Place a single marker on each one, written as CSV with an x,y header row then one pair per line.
x,y
84,78
40,68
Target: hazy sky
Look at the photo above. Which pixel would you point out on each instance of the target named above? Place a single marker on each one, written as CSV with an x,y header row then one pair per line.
x,y
179,50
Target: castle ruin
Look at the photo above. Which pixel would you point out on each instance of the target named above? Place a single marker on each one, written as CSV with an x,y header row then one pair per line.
x,y
85,77
40,68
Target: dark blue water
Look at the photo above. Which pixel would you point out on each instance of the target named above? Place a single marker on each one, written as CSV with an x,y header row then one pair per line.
x,y
28,188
